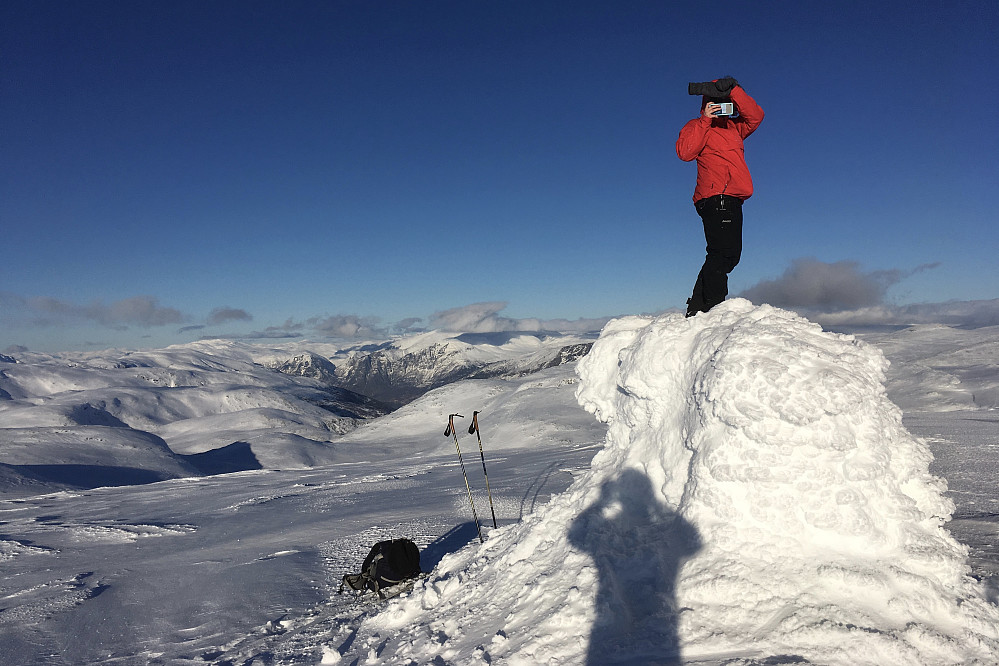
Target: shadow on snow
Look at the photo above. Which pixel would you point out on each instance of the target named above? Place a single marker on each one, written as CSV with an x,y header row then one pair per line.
x,y
638,546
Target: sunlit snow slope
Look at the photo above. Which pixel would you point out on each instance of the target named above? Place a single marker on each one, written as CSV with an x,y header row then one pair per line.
x,y
757,501
116,418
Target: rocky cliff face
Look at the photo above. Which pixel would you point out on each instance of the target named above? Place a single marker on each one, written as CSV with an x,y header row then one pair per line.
x,y
308,364
334,398
537,363
397,379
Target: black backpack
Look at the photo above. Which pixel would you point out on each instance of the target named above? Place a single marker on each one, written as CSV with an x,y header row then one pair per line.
x,y
388,563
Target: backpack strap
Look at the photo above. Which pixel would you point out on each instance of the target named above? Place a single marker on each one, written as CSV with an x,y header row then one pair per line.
x,y
353,581
371,574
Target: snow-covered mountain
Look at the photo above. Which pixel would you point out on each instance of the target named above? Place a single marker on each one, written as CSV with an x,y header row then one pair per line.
x,y
65,420
940,368
225,406
308,364
405,369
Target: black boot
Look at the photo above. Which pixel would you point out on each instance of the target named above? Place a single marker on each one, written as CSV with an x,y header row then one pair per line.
x,y
691,309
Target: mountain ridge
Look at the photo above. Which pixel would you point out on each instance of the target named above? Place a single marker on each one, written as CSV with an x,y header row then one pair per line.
x,y
254,406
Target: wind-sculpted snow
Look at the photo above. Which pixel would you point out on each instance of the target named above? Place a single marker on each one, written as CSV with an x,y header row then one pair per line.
x,y
757,501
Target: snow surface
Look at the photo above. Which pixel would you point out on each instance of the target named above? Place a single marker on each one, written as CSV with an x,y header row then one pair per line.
x,y
735,488
757,497
142,412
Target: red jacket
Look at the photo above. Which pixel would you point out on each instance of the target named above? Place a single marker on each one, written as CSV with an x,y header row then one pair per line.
x,y
717,146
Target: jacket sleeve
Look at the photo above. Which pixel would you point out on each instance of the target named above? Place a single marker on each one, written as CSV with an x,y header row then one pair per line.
x,y
692,138
750,113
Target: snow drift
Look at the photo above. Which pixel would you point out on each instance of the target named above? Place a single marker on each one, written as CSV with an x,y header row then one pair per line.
x,y
757,501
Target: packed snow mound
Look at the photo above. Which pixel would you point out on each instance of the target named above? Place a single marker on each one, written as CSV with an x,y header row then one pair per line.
x,y
757,501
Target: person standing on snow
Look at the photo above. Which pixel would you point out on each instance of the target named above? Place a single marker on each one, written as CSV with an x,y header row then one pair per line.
x,y
723,181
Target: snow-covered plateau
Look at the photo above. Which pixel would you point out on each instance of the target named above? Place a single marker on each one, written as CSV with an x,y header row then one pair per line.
x,y
738,488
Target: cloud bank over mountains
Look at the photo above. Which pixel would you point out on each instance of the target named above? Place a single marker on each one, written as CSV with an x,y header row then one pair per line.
x,y
225,315
842,294
327,326
836,294
142,311
485,318
841,285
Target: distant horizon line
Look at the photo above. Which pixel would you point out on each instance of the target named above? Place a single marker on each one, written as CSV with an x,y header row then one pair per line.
x,y
965,315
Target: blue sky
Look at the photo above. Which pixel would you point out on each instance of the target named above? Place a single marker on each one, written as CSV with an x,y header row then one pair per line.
x,y
187,169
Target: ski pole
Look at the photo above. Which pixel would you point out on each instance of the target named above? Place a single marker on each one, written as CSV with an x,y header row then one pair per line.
x,y
475,428
451,431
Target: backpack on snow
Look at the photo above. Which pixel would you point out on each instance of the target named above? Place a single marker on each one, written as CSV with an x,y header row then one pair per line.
x,y
388,563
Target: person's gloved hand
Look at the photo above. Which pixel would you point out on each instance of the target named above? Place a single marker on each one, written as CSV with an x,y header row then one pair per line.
x,y
725,85
719,89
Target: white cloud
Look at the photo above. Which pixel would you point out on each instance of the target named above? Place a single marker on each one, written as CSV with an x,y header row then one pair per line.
x,y
329,326
842,285
226,314
345,326
408,325
963,314
841,294
142,311
477,318
485,318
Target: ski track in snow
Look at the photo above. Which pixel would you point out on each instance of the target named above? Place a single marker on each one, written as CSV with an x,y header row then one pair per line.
x,y
244,568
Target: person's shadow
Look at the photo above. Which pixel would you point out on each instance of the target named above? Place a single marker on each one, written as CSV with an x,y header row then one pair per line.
x,y
638,545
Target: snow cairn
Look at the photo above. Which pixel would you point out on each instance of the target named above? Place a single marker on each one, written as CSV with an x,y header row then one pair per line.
x,y
757,501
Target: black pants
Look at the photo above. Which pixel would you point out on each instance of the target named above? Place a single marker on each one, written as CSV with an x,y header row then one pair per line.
x,y
722,218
